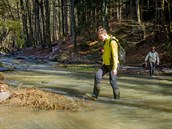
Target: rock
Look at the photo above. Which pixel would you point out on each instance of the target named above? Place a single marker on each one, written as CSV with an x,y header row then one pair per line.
x,y
4,96
4,92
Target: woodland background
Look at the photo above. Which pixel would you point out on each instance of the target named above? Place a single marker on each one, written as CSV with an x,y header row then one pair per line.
x,y
65,30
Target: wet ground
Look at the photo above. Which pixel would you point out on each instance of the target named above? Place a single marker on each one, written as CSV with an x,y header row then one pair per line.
x,y
146,103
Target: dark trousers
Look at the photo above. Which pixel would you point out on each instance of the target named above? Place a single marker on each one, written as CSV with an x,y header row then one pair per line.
x,y
152,66
112,78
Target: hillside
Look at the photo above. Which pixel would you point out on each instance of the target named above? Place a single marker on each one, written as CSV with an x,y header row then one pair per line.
x,y
136,54
87,50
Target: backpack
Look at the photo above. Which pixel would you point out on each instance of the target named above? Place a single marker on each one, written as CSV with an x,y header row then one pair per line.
x,y
121,51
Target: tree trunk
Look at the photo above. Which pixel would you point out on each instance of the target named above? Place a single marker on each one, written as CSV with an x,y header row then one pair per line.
x,y
138,11
170,22
79,18
104,16
148,4
73,23
43,43
54,24
47,13
62,16
169,11
141,10
162,13
119,10
65,18
34,26
131,9
59,20
39,34
18,13
156,12
24,22
28,6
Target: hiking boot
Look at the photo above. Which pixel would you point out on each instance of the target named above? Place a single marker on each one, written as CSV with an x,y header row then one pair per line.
x,y
91,96
96,90
116,94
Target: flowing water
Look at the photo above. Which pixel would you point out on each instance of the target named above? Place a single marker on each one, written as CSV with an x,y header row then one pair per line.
x,y
146,103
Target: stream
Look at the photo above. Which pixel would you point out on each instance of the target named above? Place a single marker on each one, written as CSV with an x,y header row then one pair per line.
x,y
146,103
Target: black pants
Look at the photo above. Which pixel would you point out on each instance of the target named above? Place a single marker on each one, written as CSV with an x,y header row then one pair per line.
x,y
112,78
152,66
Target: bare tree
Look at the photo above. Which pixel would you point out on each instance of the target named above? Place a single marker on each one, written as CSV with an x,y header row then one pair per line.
x,y
28,7
138,11
170,22
47,13
43,43
73,23
104,14
24,23
119,10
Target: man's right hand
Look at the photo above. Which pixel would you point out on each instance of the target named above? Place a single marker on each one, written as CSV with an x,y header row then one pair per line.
x,y
114,72
145,64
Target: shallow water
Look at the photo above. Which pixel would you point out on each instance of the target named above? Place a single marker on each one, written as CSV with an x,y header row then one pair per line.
x,y
146,103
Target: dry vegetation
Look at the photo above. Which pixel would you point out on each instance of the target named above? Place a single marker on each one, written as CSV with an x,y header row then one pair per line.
x,y
39,99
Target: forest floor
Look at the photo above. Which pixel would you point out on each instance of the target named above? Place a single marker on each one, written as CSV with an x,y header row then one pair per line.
x,y
89,53
88,46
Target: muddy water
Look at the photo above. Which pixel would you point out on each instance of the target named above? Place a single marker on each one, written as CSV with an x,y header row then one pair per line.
x,y
146,103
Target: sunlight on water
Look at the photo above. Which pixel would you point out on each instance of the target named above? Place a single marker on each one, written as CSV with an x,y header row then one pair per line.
x,y
146,103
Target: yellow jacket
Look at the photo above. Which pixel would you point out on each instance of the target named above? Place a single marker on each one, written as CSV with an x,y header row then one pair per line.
x,y
110,55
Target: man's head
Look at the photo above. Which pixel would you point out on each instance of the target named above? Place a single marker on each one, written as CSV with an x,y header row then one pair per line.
x,y
153,49
102,34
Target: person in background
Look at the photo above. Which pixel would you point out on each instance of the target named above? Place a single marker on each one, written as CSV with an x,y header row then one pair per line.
x,y
152,60
110,65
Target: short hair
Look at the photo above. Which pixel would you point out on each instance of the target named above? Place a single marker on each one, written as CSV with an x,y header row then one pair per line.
x,y
102,31
153,48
